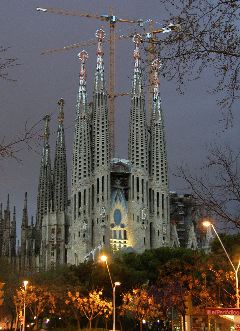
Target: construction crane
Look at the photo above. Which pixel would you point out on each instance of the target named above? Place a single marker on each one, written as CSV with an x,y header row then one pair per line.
x,y
112,20
151,51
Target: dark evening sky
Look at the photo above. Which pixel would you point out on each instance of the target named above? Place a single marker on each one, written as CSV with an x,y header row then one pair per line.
x,y
191,120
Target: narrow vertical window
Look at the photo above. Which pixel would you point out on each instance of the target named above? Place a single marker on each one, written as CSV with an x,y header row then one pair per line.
x,y
79,200
153,202
137,184
92,196
74,206
150,199
84,197
97,185
132,187
102,183
107,187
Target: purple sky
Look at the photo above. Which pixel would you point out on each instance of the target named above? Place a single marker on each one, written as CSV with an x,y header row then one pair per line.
x,y
191,120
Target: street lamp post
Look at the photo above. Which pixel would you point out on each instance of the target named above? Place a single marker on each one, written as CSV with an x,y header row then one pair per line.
x,y
25,283
207,224
114,285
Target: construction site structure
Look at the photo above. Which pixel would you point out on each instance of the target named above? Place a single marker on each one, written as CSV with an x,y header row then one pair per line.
x,y
112,20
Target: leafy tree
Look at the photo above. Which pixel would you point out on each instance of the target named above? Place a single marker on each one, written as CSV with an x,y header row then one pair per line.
x,y
91,306
140,305
38,300
11,278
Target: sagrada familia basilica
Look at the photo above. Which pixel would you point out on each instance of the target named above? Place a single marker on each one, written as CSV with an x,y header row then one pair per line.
x,y
114,204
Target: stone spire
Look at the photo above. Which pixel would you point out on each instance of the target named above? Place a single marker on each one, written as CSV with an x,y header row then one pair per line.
x,y
25,213
1,211
157,142
7,207
101,152
13,236
159,193
100,112
82,104
44,200
99,86
137,143
137,76
24,231
7,214
81,170
60,165
138,156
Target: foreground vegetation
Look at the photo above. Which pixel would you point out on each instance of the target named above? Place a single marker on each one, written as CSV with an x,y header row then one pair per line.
x,y
152,285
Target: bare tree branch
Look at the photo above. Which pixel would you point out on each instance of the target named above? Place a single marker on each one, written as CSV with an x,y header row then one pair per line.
x,y
208,40
29,137
218,190
6,63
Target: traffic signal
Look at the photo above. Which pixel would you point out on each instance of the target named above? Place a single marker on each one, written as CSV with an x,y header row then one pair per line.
x,y
188,304
1,293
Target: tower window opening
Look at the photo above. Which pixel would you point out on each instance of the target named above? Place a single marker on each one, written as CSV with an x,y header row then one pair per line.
x,y
97,185
74,206
102,183
92,196
133,187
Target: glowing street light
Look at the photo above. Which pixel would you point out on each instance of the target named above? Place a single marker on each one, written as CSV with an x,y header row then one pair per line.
x,y
104,258
25,283
207,224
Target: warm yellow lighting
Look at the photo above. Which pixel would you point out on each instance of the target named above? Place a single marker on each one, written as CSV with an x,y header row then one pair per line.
x,y
25,282
103,258
206,224
117,283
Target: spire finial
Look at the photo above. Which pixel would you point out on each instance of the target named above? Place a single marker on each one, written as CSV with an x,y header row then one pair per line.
x,y
137,39
99,75
137,77
100,34
156,65
46,129
83,56
8,202
61,112
25,201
